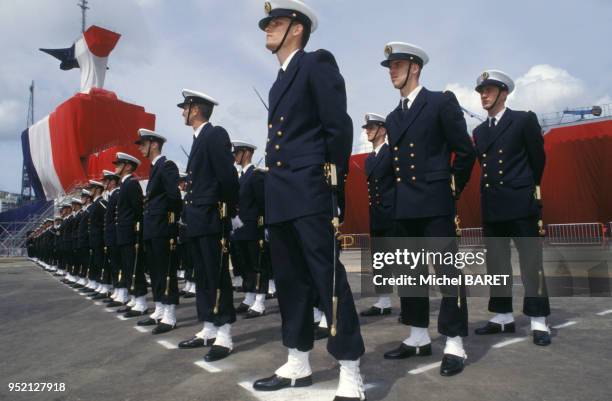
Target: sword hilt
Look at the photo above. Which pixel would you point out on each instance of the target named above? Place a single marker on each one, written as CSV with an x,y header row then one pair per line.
x,y
332,330
217,301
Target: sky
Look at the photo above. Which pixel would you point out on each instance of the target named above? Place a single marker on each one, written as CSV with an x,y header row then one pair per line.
x,y
557,52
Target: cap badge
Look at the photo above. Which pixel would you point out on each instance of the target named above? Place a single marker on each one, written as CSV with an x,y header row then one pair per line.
x,y
267,7
388,50
485,75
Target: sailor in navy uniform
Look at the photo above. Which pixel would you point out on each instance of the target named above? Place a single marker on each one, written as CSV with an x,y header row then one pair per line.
x,y
309,144
96,238
83,243
56,230
424,130
248,242
212,196
510,149
184,250
66,213
161,211
381,196
132,283
111,251
72,242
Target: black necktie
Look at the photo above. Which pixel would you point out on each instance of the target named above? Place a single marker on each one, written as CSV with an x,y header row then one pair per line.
x,y
405,104
280,74
492,122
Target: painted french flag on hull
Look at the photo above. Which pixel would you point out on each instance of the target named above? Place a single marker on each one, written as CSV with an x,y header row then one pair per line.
x,y
79,139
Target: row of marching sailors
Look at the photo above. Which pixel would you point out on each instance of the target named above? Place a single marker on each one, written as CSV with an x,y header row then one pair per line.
x,y
104,242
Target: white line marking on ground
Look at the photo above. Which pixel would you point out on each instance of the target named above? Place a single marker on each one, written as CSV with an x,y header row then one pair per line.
x,y
606,312
425,368
508,342
566,324
109,310
166,344
98,303
141,329
317,392
121,317
207,366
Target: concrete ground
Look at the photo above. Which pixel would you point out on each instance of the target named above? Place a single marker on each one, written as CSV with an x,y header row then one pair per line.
x,y
53,334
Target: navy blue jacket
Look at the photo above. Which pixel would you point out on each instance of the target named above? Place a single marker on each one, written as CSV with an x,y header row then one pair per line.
x,y
381,189
67,233
83,230
76,222
211,178
251,204
129,211
110,219
162,197
96,223
307,126
512,159
422,139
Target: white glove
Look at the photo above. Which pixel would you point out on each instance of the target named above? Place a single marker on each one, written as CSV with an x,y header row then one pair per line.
x,y
236,223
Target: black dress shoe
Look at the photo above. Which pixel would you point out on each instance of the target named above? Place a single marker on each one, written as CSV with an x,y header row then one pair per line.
x,y
495,328
270,296
541,337
341,398
182,293
217,352
189,295
320,332
135,313
406,351
114,304
108,300
242,308
196,342
163,328
147,322
251,314
86,290
103,295
376,311
124,309
451,365
275,382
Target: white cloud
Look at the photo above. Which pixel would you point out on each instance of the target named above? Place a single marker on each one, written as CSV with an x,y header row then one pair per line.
x,y
545,88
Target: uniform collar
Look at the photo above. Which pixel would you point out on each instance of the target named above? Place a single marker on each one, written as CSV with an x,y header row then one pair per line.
x,y
288,60
125,178
497,117
199,129
412,95
156,159
378,148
